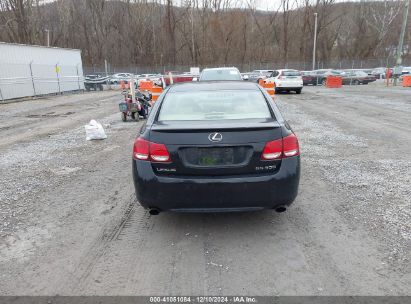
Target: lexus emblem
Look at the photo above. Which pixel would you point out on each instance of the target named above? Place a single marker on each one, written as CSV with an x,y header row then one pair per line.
x,y
215,137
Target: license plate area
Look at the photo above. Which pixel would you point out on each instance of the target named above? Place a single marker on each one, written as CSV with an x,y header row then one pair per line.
x,y
208,157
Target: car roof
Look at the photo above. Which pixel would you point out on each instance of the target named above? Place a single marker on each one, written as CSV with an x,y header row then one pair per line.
x,y
213,86
222,68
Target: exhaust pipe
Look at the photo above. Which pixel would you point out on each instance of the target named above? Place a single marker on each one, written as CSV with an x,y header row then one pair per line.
x,y
154,211
280,209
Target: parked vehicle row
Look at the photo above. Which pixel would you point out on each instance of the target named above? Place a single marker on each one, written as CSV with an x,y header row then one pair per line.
x,y
125,77
284,79
351,77
317,77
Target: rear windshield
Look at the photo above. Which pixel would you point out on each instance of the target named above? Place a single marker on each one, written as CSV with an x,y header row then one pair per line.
x,y
220,75
214,105
291,73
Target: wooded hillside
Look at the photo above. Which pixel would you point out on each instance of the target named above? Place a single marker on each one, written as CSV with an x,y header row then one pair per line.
x,y
201,32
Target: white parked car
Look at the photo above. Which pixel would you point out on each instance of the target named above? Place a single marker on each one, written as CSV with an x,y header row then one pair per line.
x,y
256,75
117,78
153,77
150,76
286,80
406,71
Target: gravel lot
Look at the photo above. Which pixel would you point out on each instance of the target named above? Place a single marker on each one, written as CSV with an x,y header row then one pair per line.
x,y
69,224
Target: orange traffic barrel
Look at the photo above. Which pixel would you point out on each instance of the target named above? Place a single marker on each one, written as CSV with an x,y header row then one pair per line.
x,y
406,81
270,88
146,85
155,93
333,82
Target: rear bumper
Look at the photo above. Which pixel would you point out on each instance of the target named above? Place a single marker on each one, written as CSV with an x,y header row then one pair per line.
x,y
288,88
232,193
289,85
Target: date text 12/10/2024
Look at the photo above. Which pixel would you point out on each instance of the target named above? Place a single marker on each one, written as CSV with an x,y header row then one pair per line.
x,y
203,299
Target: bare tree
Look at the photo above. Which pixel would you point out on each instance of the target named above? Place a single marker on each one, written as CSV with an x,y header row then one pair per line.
x,y
204,32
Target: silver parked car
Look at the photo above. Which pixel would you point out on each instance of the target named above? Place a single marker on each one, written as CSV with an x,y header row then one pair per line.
x,y
220,74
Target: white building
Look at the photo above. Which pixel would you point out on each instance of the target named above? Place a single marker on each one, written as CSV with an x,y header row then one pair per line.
x,y
31,70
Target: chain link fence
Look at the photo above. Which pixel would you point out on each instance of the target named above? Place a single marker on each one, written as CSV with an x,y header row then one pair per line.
x,y
23,80
247,67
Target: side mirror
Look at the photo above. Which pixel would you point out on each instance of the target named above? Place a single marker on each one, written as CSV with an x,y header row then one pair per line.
x,y
195,79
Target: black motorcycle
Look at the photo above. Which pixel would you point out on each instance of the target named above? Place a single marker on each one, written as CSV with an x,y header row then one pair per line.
x,y
144,101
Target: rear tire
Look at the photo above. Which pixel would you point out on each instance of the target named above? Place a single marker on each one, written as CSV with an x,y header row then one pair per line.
x,y
298,91
324,82
135,116
356,82
123,116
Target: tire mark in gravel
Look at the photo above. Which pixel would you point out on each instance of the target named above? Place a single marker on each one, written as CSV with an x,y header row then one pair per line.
x,y
97,250
130,227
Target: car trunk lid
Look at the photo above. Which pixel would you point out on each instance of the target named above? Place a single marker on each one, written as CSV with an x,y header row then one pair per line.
x,y
215,147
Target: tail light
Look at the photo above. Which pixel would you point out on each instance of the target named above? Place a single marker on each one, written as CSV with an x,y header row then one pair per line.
x,y
141,149
146,150
290,146
281,148
159,153
272,150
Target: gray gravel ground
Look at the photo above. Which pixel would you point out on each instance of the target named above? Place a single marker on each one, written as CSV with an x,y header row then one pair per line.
x,y
69,223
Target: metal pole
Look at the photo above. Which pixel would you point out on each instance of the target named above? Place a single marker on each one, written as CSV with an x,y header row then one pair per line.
x,y
48,36
402,34
58,77
1,94
78,77
32,78
315,39
352,68
105,67
192,34
132,89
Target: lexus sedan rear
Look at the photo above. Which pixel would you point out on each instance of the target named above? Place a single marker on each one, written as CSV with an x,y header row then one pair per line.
x,y
215,146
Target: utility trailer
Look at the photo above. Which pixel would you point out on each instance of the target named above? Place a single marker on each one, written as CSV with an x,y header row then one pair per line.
x,y
94,82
